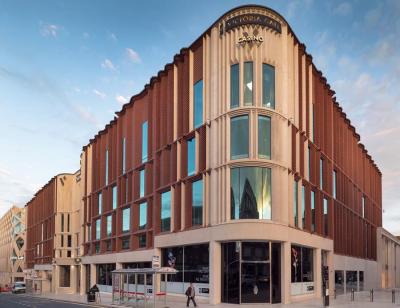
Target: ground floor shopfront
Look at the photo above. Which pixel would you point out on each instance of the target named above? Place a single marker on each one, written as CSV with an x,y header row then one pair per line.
x,y
242,262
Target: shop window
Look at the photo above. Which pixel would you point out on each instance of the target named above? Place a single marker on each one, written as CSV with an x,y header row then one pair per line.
x,y
104,273
196,263
255,251
360,281
351,280
339,282
197,203
166,211
268,86
264,137
234,85
140,278
250,193
65,275
302,264
198,103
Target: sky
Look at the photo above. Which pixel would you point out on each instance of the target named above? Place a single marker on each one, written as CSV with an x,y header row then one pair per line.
x,y
67,66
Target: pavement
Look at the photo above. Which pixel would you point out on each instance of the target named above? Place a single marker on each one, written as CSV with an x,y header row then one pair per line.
x,y
361,300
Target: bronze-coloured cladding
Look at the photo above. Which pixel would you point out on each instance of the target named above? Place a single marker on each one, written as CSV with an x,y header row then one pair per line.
x,y
253,19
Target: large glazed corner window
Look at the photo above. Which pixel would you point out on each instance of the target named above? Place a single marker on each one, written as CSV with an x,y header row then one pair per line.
x,y
106,175
198,104
302,264
144,141
99,202
191,158
264,137
126,219
240,137
123,155
98,228
114,197
197,203
251,193
142,215
234,85
248,84
268,86
142,182
109,225
166,211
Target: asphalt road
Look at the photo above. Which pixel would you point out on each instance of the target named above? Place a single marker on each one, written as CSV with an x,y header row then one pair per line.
x,y
8,300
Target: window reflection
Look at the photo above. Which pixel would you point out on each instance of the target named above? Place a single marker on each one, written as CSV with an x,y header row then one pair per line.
x,y
248,83
251,193
268,91
142,215
235,85
198,104
240,137
197,203
166,211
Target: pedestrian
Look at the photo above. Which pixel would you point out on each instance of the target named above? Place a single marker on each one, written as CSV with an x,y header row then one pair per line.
x,y
190,293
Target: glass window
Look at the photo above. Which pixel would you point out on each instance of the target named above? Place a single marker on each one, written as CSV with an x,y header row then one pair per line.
x,y
166,211
142,240
98,229
126,219
264,137
234,85
196,263
106,167
123,154
104,276
191,148
198,104
250,193
339,282
312,211
351,280
97,247
143,215
197,203
321,173
114,197
255,251
302,264
99,202
295,201
144,141
248,83
363,207
268,99
303,206
109,225
334,184
65,274
125,241
142,181
326,217
240,137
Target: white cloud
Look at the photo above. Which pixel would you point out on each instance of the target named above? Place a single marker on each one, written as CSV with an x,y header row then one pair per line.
x,y
107,64
49,29
112,37
343,9
121,99
133,55
100,94
86,115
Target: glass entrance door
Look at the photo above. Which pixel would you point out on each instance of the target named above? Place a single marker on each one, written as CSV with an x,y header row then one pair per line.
x,y
256,281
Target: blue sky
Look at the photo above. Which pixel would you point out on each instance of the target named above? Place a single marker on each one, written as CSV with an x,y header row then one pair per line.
x,y
67,66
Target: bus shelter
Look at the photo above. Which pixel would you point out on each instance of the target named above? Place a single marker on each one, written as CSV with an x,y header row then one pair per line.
x,y
140,286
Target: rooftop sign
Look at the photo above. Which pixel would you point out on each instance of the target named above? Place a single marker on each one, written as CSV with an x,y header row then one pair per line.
x,y
252,19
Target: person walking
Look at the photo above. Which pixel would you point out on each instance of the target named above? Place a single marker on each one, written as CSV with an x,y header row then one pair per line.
x,y
190,293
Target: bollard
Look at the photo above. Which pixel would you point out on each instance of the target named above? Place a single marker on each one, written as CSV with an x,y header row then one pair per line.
x,y
352,295
393,296
371,295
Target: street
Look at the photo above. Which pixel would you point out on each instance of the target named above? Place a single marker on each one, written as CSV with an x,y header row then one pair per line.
x,y
8,300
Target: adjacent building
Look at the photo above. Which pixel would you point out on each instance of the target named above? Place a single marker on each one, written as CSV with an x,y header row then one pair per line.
x,y
12,246
52,252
